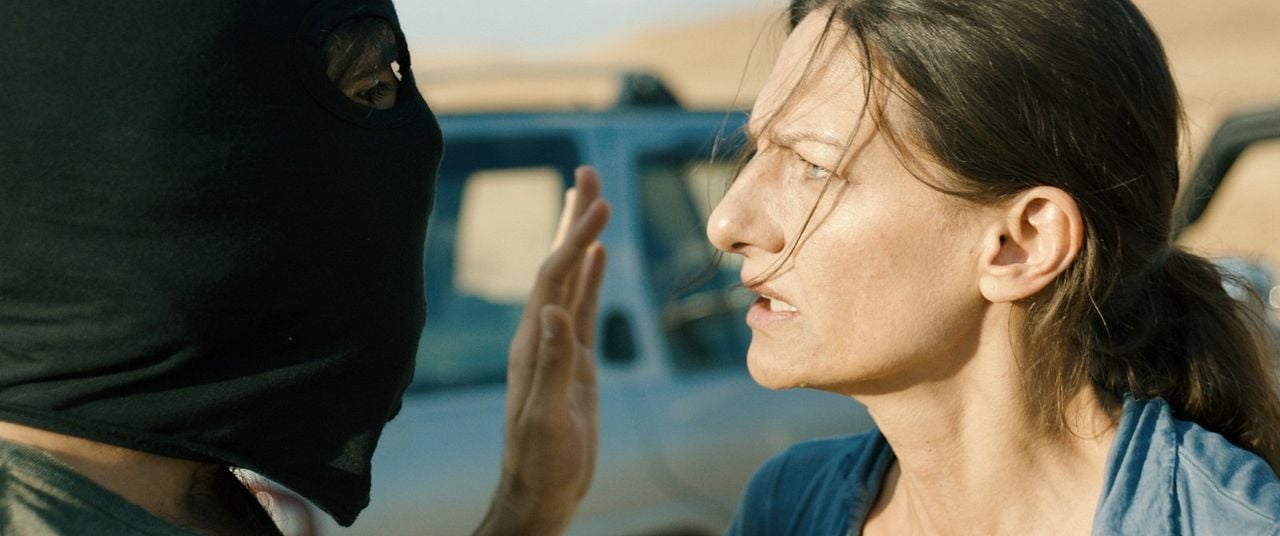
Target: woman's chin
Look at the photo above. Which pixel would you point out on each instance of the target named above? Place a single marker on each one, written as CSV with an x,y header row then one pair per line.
x,y
767,371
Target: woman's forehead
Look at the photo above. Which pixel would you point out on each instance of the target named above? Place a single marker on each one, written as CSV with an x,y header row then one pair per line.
x,y
817,84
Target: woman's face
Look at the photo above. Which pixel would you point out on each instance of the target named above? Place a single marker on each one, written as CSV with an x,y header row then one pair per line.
x,y
882,286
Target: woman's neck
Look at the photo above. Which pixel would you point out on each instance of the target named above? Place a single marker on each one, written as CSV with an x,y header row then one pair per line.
x,y
186,493
973,458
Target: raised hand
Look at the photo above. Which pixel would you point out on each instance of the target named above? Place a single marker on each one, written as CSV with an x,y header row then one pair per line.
x,y
552,417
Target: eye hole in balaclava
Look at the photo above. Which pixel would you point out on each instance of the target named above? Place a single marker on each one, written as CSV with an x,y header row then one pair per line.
x,y
360,56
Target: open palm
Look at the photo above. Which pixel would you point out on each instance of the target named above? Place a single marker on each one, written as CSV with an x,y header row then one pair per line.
x,y
552,417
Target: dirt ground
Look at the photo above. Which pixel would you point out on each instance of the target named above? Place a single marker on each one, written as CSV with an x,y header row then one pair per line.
x,y
1225,55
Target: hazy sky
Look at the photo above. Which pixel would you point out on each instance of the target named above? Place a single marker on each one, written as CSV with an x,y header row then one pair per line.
x,y
550,24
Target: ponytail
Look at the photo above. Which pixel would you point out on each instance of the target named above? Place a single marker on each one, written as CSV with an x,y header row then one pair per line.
x,y
1168,330
1187,340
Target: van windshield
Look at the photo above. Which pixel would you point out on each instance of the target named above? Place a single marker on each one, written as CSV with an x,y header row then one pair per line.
x,y
702,321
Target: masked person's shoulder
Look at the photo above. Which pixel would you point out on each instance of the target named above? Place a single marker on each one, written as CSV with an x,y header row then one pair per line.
x,y
40,495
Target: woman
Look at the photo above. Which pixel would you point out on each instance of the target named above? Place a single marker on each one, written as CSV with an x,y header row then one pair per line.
x,y
958,214
211,257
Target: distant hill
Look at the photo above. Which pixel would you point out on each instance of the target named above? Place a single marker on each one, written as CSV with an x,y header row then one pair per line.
x,y
703,64
707,64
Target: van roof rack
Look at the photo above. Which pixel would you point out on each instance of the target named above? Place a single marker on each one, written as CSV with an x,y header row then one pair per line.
x,y
544,87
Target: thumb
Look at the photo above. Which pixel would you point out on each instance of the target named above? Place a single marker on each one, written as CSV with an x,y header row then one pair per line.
x,y
554,365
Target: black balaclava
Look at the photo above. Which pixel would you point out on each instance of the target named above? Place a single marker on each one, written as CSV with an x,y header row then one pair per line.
x,y
206,250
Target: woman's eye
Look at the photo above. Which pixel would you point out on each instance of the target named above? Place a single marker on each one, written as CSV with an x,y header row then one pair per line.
x,y
814,171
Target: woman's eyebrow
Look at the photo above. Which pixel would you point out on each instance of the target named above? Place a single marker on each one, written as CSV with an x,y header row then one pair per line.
x,y
826,137
789,138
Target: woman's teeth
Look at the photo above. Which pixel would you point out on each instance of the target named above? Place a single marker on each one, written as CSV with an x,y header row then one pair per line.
x,y
779,306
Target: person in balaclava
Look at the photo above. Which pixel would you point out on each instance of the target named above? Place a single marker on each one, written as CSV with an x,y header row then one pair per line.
x,y
212,216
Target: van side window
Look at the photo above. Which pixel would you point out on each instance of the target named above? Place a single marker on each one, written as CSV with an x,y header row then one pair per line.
x,y
703,327
496,209
505,225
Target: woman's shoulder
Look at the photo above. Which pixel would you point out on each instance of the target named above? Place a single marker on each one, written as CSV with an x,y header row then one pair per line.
x,y
1169,471
814,487
1217,479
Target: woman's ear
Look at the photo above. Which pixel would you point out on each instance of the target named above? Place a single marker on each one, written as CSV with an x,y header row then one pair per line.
x,y
1034,237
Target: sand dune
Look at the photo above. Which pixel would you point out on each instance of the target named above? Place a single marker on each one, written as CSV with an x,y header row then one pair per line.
x,y
702,63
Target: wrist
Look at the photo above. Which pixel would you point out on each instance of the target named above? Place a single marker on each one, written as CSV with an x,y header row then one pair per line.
x,y
517,510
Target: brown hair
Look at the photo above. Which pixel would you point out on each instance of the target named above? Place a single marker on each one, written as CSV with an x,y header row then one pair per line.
x,y
1075,94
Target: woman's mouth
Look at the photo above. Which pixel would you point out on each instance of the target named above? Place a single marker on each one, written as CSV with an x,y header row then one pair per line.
x,y
779,306
767,310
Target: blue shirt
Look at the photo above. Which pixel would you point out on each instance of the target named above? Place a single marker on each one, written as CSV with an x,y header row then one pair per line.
x,y
1163,476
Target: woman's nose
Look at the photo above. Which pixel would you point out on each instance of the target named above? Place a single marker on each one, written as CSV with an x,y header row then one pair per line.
x,y
741,223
